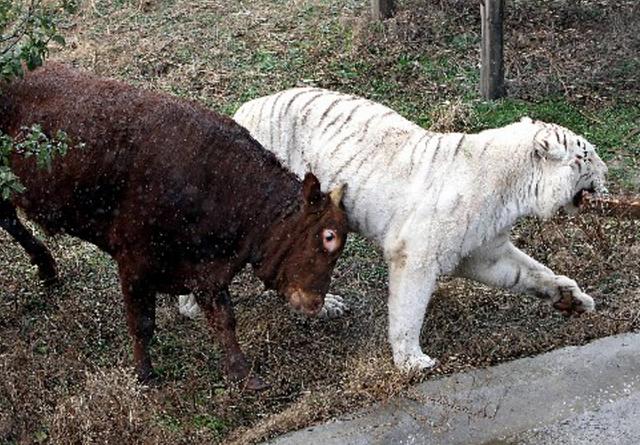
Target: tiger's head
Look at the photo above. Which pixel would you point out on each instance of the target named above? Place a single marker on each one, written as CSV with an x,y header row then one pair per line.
x,y
567,165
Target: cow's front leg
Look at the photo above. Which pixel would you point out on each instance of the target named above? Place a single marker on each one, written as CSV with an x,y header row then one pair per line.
x,y
500,264
140,306
218,310
410,288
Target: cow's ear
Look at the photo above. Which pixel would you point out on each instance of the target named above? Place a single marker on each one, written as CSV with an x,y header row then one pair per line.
x,y
311,190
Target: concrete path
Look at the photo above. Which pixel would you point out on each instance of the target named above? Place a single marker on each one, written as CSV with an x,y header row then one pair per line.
x,y
577,395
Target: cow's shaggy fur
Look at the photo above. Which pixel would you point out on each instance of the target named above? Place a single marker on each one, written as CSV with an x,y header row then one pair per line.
x,y
181,197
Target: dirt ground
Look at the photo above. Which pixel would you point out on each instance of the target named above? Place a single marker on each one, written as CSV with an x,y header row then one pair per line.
x,y
65,354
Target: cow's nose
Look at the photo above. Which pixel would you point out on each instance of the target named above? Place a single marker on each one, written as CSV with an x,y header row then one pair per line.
x,y
313,307
317,305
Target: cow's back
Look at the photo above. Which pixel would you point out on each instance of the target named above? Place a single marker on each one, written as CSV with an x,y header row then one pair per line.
x,y
183,175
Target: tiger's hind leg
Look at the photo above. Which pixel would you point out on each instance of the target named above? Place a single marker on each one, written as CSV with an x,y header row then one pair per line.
x,y
37,251
500,264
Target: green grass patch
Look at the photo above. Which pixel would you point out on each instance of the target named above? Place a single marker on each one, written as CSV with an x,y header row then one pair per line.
x,y
209,422
169,422
614,130
169,349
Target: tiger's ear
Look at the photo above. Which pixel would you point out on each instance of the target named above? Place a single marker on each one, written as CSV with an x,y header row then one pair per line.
x,y
548,144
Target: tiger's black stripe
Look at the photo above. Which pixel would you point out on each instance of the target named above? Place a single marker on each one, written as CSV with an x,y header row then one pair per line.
x,y
276,98
319,154
341,143
334,121
411,161
292,145
283,114
387,225
361,185
293,98
363,135
460,142
262,105
391,154
305,115
516,281
540,130
466,232
346,121
437,150
485,147
433,158
329,108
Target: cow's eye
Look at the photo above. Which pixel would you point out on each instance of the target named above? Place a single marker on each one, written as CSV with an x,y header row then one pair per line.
x,y
329,240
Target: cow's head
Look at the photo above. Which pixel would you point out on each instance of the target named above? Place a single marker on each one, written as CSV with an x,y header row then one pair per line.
x,y
302,252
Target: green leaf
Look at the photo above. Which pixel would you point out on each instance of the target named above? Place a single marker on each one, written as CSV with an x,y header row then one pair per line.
x,y
58,39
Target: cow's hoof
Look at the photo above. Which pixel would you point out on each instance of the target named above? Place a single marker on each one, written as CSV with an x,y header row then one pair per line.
x,y
48,274
148,377
244,380
50,281
334,307
255,383
238,372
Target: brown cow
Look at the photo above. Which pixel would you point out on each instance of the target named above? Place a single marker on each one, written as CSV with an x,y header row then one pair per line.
x,y
181,197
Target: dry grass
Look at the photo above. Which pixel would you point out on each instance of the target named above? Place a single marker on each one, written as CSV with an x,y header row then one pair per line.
x,y
451,116
65,353
109,408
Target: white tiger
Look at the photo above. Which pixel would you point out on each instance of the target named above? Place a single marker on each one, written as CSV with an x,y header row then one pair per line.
x,y
436,203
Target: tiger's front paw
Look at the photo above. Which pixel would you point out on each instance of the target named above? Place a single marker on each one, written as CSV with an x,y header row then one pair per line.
x,y
188,306
415,362
573,301
334,307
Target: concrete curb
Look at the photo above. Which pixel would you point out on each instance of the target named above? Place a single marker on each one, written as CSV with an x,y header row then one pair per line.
x,y
521,401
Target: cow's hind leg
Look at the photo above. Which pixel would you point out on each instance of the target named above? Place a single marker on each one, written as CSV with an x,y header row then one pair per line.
x,y
38,252
219,312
